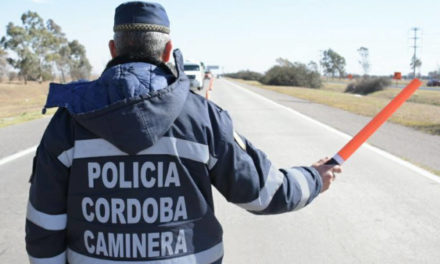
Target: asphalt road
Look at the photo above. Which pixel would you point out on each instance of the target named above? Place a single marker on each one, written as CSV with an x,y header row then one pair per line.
x,y
380,210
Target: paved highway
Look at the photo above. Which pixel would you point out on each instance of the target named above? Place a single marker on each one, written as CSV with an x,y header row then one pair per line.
x,y
380,210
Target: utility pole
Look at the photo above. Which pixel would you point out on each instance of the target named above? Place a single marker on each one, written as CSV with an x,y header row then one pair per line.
x,y
414,58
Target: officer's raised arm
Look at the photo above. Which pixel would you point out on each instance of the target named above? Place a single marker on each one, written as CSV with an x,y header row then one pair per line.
x,y
246,177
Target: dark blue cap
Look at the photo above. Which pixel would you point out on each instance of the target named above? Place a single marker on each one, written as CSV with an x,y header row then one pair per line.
x,y
141,16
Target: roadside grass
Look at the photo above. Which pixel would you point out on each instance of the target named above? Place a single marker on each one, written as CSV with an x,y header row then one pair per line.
x,y
20,103
335,87
421,112
420,96
347,81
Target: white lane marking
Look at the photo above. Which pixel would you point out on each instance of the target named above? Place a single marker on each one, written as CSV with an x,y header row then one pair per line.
x,y
17,155
383,153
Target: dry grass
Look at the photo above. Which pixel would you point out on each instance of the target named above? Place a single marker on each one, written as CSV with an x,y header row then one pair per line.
x,y
347,81
19,102
420,96
336,87
421,112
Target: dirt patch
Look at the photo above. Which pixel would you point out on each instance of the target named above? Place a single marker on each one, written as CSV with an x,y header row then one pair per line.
x,y
19,102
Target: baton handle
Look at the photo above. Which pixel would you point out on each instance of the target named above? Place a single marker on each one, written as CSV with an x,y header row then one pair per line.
x,y
332,161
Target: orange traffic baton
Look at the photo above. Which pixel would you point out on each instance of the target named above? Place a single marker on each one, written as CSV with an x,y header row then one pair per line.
x,y
374,124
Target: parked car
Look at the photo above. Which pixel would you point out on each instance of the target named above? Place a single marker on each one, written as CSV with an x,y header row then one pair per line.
x,y
433,82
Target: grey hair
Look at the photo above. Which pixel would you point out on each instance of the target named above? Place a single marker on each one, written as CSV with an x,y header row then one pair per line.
x,y
145,44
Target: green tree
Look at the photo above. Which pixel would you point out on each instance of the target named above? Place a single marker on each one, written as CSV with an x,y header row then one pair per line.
x,y
368,85
80,67
29,42
364,53
333,63
69,57
292,74
59,48
41,47
3,64
245,75
415,64
313,66
19,41
41,41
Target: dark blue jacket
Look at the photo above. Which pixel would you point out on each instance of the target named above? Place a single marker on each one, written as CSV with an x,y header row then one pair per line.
x,y
124,170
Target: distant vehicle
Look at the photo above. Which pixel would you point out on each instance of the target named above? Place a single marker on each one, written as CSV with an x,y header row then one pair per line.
x,y
433,82
208,75
214,70
195,71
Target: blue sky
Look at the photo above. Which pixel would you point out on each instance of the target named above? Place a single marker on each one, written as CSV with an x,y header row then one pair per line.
x,y
244,34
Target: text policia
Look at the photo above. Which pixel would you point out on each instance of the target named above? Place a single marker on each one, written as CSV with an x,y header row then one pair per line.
x,y
158,210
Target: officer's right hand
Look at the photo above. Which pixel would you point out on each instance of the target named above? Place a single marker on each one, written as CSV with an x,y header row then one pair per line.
x,y
327,172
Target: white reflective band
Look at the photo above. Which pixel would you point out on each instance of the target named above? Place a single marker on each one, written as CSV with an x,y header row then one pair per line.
x,y
273,182
211,162
338,159
99,147
204,257
304,186
46,221
60,259
179,148
66,157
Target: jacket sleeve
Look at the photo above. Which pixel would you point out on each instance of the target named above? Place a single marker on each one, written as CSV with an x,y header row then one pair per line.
x,y
46,216
246,177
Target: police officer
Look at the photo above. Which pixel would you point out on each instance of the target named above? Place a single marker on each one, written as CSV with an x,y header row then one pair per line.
x,y
124,170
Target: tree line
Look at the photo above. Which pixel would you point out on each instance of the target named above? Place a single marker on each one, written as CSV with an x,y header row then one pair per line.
x,y
297,74
290,73
332,65
39,50
284,72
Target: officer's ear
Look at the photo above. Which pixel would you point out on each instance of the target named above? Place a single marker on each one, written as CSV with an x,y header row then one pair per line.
x,y
112,48
167,51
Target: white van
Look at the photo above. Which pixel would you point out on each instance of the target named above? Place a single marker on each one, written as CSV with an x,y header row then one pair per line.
x,y
195,71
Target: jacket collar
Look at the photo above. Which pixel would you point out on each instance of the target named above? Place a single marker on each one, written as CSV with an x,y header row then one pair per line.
x,y
132,58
